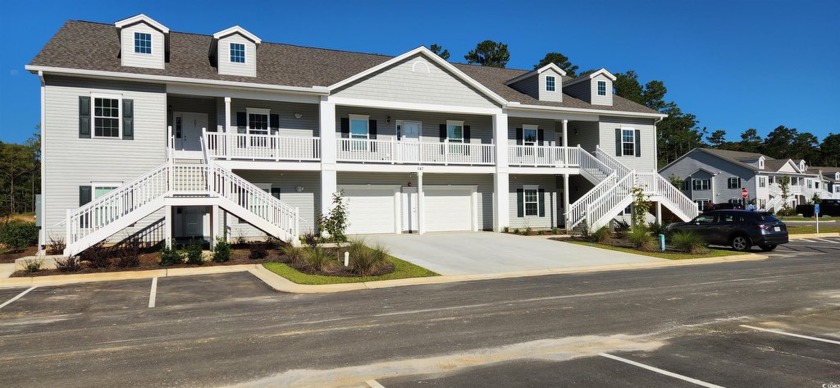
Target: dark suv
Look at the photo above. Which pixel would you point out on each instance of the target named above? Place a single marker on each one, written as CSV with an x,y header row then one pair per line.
x,y
740,229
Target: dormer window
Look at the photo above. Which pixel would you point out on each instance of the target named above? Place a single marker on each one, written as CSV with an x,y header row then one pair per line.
x,y
237,53
549,83
837,176
142,43
602,88
761,163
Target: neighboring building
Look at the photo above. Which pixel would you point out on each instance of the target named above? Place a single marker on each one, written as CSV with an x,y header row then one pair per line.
x,y
712,176
166,134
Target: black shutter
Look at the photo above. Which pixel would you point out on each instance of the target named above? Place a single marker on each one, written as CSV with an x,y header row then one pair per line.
x,y
241,122
540,137
274,122
518,136
466,139
442,132
541,201
618,142
372,129
275,192
85,195
128,119
399,132
84,117
520,203
638,143
345,128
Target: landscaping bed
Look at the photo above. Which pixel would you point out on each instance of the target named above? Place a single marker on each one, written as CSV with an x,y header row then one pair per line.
x,y
670,254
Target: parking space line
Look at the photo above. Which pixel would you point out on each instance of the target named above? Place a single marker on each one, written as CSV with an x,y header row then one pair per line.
x,y
806,240
661,371
793,335
153,293
374,384
8,302
829,241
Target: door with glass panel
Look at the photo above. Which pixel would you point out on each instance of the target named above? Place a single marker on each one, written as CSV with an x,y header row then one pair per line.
x,y
409,140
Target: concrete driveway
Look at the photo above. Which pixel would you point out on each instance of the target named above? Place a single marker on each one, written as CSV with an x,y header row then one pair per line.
x,y
476,253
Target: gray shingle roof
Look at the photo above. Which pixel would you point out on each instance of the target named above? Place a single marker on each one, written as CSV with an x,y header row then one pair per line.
x,y
738,156
96,46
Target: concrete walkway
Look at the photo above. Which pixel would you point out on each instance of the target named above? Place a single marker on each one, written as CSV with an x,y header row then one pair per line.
x,y
478,253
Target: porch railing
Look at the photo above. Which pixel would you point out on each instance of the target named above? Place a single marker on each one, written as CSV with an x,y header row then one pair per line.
x,y
397,152
262,147
543,156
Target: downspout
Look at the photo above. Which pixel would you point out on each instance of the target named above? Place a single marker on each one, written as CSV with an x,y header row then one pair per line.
x,y
42,234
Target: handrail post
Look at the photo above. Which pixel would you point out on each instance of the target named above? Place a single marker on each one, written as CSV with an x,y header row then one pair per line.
x,y
296,231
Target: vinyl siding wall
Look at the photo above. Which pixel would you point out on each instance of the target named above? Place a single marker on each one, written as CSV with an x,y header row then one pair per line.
x,y
128,57
644,163
225,66
481,127
550,200
723,170
287,181
557,94
581,90
416,80
71,162
305,126
193,105
529,86
601,100
551,130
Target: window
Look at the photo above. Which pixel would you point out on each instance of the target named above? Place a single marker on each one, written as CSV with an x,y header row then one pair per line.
x,y
237,53
628,210
686,184
99,191
702,204
358,127
529,135
700,184
628,142
734,183
258,121
602,88
837,176
762,181
761,163
105,214
106,117
142,43
455,131
531,201
549,83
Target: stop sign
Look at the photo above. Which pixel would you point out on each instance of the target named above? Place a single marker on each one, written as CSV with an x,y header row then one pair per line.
x,y
744,193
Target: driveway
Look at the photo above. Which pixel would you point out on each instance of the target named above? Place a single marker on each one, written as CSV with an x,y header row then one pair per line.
x,y
476,253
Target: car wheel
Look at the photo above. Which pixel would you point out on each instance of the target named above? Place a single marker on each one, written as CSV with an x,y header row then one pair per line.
x,y
740,243
767,247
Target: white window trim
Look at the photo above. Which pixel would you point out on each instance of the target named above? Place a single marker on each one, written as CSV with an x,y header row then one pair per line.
x,y
365,118
761,163
762,181
455,123
554,82
837,176
525,189
709,180
700,205
151,46
244,53
99,185
93,98
257,111
598,88
729,182
633,142
530,127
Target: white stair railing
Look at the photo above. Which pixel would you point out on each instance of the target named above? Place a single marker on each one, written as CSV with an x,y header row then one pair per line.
x,y
605,204
577,211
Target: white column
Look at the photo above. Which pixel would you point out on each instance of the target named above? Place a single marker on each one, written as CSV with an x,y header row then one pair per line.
x,y
215,225
329,179
501,179
227,114
167,225
565,142
659,212
565,200
421,203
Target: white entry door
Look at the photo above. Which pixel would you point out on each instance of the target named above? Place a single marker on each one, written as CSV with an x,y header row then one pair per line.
x,y
409,209
187,132
410,140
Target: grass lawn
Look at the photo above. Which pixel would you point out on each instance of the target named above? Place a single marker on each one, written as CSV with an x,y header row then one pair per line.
x,y
402,270
661,255
806,229
800,218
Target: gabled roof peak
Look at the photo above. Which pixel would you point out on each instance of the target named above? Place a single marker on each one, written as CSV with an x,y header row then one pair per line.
x,y
237,30
592,75
142,18
532,73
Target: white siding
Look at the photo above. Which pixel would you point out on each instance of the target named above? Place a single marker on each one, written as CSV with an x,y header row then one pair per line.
x,y
601,100
305,126
481,127
557,94
550,130
247,69
644,163
128,57
71,162
287,181
410,82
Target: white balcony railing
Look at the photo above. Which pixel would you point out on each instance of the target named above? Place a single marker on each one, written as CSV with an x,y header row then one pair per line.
x,y
399,152
543,156
262,147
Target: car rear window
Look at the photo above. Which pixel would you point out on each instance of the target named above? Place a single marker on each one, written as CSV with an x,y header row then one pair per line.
x,y
767,217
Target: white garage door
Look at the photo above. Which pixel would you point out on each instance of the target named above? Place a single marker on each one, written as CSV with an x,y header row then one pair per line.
x,y
370,210
448,209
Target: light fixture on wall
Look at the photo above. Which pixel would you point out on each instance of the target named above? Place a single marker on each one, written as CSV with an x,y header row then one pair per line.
x,y
388,119
299,189
298,115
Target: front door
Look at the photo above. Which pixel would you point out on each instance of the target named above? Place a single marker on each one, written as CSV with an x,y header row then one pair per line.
x,y
187,132
409,209
189,222
410,140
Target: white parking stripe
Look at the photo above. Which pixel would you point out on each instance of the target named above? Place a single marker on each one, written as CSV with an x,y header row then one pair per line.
x,y
805,239
829,241
793,335
8,302
153,293
374,384
661,371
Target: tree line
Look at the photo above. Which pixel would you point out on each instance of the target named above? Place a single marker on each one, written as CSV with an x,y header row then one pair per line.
x,y
20,175
680,131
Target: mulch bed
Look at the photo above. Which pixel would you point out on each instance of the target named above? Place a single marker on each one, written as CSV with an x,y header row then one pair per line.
x,y
9,257
336,268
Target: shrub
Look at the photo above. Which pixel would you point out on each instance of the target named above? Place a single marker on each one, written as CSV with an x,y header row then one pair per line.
x,y
32,265
317,258
641,239
194,253
16,235
70,264
555,231
688,242
656,229
601,235
221,252
295,254
170,256
96,256
129,254
272,242
515,230
335,223
56,246
310,239
366,261
528,231
506,229
258,250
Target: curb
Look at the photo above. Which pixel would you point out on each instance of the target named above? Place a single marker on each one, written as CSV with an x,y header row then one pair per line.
x,y
812,235
57,280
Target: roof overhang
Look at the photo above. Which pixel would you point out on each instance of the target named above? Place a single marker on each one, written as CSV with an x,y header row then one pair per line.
x,y
529,74
141,18
513,105
428,54
592,75
237,30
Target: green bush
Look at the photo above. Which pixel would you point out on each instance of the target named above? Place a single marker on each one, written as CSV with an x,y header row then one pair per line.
x,y
257,250
128,254
294,254
366,261
317,258
56,246
601,235
16,235
656,229
32,265
70,264
194,253
641,239
170,256
221,252
97,256
689,242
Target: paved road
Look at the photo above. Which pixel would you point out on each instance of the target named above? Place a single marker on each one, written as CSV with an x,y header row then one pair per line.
x,y
657,328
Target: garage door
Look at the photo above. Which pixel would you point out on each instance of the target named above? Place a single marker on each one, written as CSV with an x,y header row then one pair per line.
x,y
448,209
370,210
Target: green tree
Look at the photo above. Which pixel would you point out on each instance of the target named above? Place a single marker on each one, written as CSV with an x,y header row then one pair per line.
x,y
717,138
440,51
750,141
560,60
489,53
805,146
778,142
335,222
19,175
627,85
830,151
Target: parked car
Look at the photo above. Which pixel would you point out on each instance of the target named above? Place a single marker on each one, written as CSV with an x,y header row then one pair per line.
x,y
740,229
723,206
828,207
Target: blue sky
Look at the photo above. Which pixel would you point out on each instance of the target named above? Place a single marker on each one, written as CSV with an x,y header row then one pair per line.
x,y
735,64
